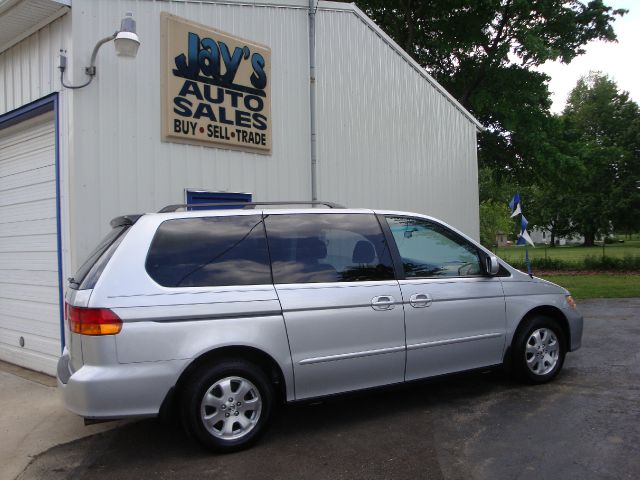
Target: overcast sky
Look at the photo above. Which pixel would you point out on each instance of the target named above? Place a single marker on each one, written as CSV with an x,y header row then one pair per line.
x,y
621,61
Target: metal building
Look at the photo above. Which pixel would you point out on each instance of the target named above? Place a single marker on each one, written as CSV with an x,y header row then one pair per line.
x,y
372,130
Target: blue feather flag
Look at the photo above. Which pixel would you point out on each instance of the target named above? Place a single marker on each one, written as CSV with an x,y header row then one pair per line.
x,y
515,205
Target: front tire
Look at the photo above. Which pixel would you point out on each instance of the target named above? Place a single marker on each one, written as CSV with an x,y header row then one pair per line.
x,y
538,350
227,406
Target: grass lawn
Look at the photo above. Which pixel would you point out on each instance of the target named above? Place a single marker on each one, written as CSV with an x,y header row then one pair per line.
x,y
598,285
630,248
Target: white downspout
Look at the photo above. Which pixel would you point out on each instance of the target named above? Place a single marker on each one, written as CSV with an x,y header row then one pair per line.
x,y
312,97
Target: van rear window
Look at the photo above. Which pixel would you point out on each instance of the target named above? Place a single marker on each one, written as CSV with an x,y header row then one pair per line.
x,y
81,280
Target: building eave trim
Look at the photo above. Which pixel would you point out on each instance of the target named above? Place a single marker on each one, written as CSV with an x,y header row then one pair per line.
x,y
30,31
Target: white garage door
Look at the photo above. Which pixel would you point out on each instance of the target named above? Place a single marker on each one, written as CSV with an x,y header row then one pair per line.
x,y
29,311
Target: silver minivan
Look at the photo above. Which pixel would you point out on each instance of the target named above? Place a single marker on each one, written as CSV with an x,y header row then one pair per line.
x,y
221,314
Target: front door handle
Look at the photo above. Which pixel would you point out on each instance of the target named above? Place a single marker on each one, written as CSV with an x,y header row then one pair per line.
x,y
383,302
420,300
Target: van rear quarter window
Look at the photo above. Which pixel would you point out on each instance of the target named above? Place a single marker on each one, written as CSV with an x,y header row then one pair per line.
x,y
210,251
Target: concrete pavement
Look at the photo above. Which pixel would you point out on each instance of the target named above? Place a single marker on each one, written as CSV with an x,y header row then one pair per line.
x,y
32,419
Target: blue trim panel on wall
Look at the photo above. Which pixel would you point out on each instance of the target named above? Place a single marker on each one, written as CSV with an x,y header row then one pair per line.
x,y
197,196
31,110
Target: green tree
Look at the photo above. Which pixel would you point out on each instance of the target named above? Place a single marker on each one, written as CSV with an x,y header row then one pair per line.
x,y
545,201
494,219
601,130
552,183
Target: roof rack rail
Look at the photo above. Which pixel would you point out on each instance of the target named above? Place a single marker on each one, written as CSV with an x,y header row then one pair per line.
x,y
244,205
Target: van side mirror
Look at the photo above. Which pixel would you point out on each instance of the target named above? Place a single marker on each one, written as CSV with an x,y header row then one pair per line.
x,y
492,265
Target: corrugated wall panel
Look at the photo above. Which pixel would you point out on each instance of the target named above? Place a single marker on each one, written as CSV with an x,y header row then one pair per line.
x,y
120,164
29,69
386,137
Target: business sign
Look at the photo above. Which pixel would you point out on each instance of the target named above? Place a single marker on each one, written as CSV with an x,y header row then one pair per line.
x,y
215,87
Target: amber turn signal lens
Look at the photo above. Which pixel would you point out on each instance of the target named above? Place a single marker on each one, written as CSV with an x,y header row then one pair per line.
x,y
92,321
571,302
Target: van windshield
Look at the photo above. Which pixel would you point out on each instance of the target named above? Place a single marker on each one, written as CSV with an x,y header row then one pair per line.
x,y
114,235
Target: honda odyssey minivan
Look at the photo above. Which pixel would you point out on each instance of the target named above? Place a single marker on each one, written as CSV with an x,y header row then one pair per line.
x,y
224,313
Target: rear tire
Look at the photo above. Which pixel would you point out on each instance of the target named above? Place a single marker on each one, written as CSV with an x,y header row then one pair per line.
x,y
538,350
227,406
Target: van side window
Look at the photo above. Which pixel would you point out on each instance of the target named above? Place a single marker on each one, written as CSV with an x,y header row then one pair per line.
x,y
430,250
210,251
309,248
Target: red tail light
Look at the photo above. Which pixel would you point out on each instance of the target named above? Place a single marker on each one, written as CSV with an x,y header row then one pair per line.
x,y
92,321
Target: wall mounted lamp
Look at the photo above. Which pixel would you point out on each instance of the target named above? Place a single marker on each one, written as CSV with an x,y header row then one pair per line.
x,y
126,42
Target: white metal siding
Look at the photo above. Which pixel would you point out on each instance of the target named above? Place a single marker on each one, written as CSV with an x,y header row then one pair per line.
x,y
387,138
28,248
29,69
120,163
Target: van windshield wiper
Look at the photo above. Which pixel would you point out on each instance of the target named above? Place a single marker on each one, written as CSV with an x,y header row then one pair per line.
x,y
73,281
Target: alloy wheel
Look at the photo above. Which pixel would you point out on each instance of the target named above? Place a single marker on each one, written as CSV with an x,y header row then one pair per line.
x,y
542,351
231,408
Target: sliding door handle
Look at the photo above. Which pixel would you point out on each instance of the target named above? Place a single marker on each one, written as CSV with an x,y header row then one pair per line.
x,y
420,300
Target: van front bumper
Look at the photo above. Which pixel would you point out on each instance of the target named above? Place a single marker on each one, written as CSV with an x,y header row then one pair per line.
x,y
117,391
